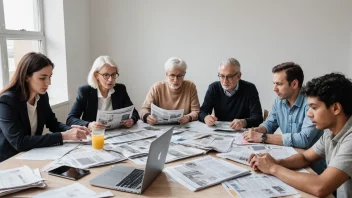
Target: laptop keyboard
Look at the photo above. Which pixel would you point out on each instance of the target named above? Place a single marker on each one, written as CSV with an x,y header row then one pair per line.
x,y
132,180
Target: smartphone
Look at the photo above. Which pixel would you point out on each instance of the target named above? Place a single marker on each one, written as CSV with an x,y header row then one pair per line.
x,y
69,172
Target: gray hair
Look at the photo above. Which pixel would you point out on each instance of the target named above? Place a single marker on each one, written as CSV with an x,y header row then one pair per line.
x,y
230,62
97,65
175,62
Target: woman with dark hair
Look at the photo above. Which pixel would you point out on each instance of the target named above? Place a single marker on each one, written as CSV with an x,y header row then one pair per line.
x,y
25,109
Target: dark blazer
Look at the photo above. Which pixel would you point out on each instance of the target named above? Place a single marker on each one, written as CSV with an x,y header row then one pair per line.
x,y
15,130
87,104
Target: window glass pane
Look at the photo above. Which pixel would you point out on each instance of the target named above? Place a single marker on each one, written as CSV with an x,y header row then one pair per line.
x,y
21,14
18,48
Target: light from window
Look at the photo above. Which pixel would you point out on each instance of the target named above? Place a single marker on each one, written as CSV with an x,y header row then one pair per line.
x,y
21,15
18,48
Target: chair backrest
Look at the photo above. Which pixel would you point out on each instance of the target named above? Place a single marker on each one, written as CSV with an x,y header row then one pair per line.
x,y
266,113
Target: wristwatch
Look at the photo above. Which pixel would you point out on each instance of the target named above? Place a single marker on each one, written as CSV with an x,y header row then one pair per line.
x,y
264,137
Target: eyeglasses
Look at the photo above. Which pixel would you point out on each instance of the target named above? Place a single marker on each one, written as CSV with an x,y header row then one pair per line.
x,y
107,76
229,77
174,76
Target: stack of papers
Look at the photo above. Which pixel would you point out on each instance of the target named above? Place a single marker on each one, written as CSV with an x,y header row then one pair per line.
x,y
18,179
204,172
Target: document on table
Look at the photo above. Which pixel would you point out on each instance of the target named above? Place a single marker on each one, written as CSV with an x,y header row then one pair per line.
x,y
75,190
112,119
47,153
39,184
260,186
166,116
18,177
241,153
204,172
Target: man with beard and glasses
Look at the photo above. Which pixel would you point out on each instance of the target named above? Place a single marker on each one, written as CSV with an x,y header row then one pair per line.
x,y
232,99
174,93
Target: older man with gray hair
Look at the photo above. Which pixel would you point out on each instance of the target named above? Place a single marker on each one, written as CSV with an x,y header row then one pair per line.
x,y
232,99
173,93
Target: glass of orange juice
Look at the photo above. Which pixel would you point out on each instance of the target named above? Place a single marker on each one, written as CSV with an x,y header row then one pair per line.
x,y
98,138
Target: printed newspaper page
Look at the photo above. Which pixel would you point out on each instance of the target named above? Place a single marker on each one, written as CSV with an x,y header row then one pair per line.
x,y
204,172
166,116
260,186
112,119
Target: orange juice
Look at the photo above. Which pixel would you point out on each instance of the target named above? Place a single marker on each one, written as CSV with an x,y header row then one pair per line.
x,y
98,141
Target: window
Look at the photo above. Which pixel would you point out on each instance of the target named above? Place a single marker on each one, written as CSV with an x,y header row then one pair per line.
x,y
21,31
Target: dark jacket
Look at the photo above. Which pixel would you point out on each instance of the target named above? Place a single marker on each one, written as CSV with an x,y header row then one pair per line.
x,y
87,104
244,104
15,130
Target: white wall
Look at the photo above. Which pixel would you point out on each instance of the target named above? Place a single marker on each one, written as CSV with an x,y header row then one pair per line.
x,y
142,35
56,49
77,39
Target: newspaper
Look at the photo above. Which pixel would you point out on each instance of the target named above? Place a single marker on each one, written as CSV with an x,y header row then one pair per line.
x,y
74,190
39,184
213,142
166,116
85,157
225,126
47,153
240,141
187,136
176,152
133,137
131,149
204,172
241,153
112,119
18,178
198,126
260,186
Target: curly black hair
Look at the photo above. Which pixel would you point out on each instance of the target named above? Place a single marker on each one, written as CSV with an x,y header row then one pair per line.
x,y
331,88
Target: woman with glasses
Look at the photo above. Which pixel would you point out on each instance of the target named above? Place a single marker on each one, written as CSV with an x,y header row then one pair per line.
x,y
101,93
25,109
174,93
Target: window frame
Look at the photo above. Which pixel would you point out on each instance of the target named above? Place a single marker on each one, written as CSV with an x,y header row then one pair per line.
x,y
6,34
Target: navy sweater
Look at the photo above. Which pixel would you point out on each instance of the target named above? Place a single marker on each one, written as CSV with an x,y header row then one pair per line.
x,y
244,104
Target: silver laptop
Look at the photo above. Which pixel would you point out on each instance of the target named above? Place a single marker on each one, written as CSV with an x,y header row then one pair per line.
x,y
129,179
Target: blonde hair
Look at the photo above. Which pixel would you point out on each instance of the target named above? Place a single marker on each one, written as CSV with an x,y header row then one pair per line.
x,y
97,65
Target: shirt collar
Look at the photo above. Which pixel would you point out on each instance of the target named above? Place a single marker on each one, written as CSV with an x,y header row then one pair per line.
x,y
299,100
233,92
346,128
37,97
111,91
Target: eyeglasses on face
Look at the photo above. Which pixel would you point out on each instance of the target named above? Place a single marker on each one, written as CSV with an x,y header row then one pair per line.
x,y
229,77
106,76
174,76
